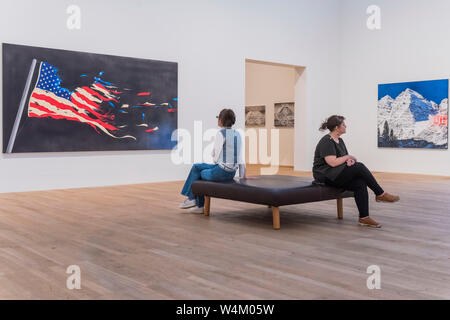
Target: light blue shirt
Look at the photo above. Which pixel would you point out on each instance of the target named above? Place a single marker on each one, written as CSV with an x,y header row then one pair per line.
x,y
228,150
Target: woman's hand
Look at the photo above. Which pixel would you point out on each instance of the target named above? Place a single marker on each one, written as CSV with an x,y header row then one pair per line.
x,y
350,162
332,161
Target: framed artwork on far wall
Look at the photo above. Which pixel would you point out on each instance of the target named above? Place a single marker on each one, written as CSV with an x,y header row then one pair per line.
x,y
284,115
255,116
413,115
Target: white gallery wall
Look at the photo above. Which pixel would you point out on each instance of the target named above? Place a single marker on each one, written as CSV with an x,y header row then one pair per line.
x,y
412,45
209,39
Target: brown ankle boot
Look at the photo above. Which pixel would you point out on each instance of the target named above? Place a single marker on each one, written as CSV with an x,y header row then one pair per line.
x,y
386,197
369,222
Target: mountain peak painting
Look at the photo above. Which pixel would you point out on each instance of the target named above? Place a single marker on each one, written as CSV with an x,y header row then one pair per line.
x,y
413,115
58,100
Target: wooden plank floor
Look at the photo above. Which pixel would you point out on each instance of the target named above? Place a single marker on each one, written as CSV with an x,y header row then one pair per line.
x,y
132,242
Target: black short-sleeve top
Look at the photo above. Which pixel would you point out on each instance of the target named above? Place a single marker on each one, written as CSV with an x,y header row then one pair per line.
x,y
328,147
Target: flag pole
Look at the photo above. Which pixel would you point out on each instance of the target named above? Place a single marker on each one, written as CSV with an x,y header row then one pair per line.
x,y
12,138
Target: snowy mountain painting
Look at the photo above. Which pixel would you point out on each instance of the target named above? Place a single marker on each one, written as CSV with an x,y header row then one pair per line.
x,y
413,115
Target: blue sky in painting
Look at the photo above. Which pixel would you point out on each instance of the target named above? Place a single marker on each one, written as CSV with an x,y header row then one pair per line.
x,y
434,90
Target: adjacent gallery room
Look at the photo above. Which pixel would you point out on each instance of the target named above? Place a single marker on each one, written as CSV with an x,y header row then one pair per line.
x,y
224,150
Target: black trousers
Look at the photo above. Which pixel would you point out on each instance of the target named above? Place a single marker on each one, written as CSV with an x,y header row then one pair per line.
x,y
357,178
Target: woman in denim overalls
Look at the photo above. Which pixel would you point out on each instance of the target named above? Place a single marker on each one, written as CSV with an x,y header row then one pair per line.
x,y
227,158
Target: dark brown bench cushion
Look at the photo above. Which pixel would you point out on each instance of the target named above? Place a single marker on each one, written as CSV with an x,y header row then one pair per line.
x,y
274,190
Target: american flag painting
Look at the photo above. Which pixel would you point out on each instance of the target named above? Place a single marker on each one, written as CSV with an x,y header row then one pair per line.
x,y
74,101
49,99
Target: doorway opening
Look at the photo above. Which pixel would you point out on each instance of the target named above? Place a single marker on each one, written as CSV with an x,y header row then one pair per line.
x,y
274,99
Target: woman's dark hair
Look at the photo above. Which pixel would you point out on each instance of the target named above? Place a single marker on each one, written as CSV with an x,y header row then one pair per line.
x,y
227,117
331,123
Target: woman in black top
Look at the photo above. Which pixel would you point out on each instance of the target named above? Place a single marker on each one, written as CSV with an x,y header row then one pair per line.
x,y
334,166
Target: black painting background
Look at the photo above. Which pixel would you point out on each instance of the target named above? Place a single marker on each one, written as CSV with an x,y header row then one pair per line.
x,y
52,135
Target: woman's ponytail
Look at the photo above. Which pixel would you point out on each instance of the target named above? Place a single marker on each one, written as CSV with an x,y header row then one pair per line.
x,y
323,126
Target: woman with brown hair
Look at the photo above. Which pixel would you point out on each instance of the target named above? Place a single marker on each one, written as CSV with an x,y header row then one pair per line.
x,y
335,167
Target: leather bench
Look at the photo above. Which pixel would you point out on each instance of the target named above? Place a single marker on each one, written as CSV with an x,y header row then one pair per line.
x,y
273,191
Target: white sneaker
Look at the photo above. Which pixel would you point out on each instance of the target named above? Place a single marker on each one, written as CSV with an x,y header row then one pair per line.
x,y
187,204
196,209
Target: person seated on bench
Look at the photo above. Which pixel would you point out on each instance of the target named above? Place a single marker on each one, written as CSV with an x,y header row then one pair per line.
x,y
335,167
227,156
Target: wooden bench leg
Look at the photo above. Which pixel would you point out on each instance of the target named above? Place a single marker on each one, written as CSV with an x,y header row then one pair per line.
x,y
207,206
276,217
340,209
